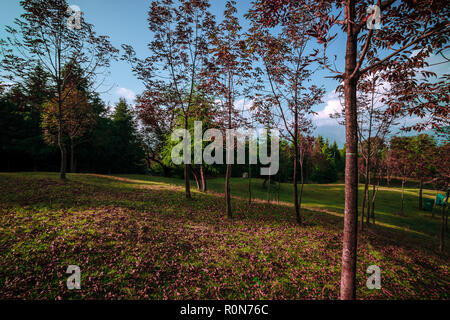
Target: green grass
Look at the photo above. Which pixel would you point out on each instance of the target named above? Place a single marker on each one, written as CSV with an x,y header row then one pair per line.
x,y
137,237
330,197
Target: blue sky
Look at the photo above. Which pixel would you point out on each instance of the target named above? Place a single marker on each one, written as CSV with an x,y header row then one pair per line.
x,y
125,21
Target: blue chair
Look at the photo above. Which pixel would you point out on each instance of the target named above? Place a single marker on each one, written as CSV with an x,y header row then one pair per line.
x,y
440,199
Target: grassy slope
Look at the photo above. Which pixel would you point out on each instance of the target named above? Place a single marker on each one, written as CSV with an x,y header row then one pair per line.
x,y
137,237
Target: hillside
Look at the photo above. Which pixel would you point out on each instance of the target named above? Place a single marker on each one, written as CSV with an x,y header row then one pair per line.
x,y
137,237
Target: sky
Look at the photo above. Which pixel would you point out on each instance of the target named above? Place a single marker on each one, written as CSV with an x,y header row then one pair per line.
x,y
125,22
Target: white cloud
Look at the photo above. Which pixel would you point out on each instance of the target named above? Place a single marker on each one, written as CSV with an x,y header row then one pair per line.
x,y
327,127
243,104
333,104
126,93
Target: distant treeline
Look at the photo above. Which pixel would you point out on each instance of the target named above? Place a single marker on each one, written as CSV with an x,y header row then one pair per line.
x,y
107,143
100,139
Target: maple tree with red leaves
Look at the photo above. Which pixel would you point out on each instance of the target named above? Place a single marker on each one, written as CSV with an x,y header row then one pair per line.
x,y
77,114
229,71
374,125
179,54
287,68
400,159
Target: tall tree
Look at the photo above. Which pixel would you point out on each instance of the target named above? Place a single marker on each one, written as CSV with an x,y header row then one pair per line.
x,y
423,148
179,53
77,113
374,124
128,152
378,169
407,25
401,160
287,66
29,97
228,73
323,158
77,118
43,36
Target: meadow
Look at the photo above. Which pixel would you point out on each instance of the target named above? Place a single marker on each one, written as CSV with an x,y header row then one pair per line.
x,y
137,237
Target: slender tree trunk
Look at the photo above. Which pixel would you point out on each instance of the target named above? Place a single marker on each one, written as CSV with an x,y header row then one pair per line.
x,y
249,183
61,144
446,221
197,181
228,192
268,188
187,185
367,199
374,194
296,204
72,166
302,184
296,158
363,206
441,244
203,177
278,189
403,196
369,153
420,193
372,210
62,147
365,195
348,274
149,163
294,182
229,152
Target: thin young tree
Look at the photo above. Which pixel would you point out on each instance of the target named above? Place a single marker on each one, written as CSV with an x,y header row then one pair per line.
x,y
264,115
423,149
179,53
77,118
401,159
229,72
45,35
287,67
378,168
374,125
